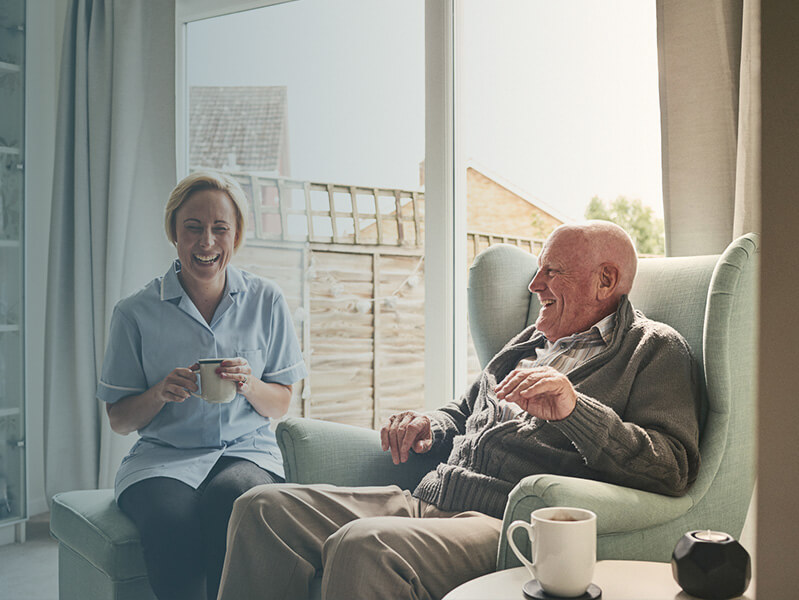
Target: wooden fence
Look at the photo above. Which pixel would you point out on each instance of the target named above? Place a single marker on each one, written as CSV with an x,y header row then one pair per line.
x,y
359,314
352,272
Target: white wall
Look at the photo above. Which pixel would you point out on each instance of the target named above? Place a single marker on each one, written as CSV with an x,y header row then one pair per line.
x,y
45,24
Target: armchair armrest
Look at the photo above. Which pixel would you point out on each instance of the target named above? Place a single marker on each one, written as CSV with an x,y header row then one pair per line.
x,y
618,509
324,452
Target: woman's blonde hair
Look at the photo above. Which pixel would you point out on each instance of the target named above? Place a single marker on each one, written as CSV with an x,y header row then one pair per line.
x,y
206,180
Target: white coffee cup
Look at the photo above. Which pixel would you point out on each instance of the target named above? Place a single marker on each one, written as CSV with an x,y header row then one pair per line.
x,y
213,388
563,542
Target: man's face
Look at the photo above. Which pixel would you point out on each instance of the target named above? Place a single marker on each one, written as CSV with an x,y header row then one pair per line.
x,y
566,284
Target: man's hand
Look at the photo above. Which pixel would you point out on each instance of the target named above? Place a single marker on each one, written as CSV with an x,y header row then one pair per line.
x,y
405,431
543,392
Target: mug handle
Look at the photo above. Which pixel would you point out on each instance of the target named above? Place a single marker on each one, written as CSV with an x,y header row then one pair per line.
x,y
531,532
197,374
195,394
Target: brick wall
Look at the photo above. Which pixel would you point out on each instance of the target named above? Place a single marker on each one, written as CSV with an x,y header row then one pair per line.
x,y
494,209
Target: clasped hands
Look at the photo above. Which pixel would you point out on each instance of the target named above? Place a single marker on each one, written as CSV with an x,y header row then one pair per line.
x,y
543,392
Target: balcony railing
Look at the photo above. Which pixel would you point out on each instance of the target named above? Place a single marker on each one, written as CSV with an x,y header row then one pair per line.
x,y
292,210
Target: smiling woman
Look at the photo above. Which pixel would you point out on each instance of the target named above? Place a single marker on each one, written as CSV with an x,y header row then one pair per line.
x,y
205,221
195,457
198,182
206,238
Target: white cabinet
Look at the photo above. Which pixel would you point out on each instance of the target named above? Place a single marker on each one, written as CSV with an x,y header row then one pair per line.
x,y
13,502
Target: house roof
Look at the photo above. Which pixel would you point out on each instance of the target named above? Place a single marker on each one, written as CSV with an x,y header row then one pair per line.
x,y
517,191
245,123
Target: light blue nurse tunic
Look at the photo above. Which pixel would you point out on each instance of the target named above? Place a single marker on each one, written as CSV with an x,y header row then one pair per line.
x,y
157,329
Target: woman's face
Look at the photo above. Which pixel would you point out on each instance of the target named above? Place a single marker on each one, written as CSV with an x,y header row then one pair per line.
x,y
205,230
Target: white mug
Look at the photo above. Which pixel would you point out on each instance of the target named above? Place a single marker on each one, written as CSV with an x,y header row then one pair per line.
x,y
213,388
563,542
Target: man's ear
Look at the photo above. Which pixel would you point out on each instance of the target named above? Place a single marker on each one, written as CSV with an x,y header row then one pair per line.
x,y
608,280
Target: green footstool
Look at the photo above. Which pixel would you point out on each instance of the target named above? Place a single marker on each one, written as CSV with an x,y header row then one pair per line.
x,y
99,553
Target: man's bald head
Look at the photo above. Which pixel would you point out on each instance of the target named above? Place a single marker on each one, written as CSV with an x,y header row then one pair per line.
x,y
583,271
604,242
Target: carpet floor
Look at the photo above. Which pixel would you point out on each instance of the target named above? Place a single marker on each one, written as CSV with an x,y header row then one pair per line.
x,y
29,571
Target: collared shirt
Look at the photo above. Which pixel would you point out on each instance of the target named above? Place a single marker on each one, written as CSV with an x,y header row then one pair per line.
x,y
159,328
565,355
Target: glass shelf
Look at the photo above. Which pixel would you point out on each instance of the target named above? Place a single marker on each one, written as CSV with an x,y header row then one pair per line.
x,y
8,412
6,68
13,501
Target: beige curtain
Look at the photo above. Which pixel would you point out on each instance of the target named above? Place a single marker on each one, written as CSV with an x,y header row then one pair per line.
x,y
709,63
114,168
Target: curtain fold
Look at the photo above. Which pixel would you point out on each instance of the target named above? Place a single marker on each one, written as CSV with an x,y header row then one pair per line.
x,y
114,167
747,171
709,63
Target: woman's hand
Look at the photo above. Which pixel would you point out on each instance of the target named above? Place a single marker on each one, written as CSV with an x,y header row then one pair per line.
x,y
134,412
238,370
268,399
178,385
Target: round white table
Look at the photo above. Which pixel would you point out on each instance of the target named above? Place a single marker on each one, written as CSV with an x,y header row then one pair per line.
x,y
618,580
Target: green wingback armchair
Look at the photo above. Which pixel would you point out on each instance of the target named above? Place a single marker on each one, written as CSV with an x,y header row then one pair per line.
x,y
709,299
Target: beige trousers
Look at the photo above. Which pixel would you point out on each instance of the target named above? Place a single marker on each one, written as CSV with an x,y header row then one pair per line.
x,y
369,543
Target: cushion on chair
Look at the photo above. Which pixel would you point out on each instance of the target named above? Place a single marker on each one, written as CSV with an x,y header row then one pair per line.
x,y
90,523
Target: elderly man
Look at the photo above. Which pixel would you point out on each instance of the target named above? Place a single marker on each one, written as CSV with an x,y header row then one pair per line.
x,y
594,389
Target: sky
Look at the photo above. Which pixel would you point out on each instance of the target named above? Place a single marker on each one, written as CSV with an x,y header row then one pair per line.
x,y
561,98
558,98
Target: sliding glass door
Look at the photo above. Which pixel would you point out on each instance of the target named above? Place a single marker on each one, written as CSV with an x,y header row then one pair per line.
x,y
557,120
317,108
